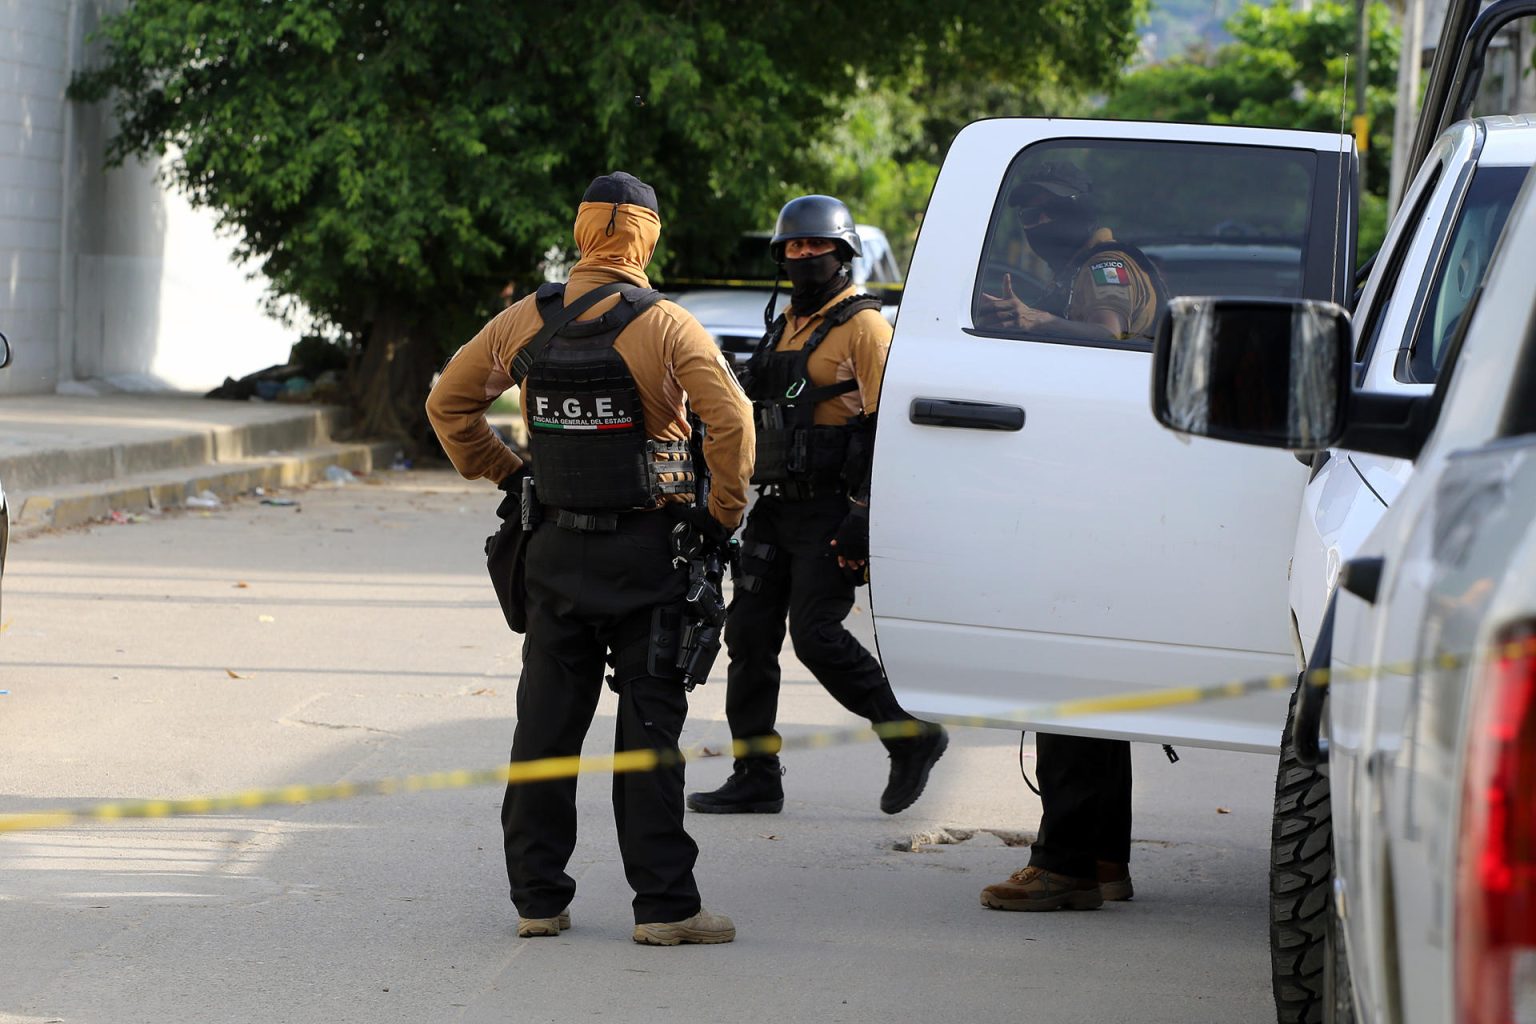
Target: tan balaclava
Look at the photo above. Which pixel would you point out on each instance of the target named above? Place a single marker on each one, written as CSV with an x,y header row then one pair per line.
x,y
617,225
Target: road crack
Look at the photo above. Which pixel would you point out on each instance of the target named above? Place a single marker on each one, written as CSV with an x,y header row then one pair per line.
x,y
333,725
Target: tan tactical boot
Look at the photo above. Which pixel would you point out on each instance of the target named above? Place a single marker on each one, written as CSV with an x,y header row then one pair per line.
x,y
532,927
1038,889
1115,881
703,928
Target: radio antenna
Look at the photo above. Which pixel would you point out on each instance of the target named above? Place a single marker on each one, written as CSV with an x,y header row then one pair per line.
x,y
1338,189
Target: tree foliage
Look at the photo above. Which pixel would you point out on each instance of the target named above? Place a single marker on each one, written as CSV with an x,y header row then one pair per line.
x,y
884,151
1285,68
390,164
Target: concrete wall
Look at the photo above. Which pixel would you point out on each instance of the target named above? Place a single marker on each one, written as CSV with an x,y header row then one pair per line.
x,y
105,275
34,47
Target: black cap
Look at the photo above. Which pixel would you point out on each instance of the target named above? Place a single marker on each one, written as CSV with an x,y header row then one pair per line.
x,y
1058,177
621,187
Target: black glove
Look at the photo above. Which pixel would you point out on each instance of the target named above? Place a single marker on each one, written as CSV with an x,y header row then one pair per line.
x,y
512,483
852,537
715,533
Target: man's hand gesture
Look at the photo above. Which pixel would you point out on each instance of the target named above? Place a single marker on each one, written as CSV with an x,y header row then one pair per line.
x,y
1008,311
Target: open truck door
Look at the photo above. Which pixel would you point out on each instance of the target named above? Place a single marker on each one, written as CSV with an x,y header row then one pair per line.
x,y
1036,536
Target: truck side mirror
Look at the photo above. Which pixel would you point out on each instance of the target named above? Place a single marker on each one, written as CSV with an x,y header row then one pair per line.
x,y
1272,372
5,352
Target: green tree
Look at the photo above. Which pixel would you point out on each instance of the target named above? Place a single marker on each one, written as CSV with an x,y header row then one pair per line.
x,y
390,164
883,153
1285,68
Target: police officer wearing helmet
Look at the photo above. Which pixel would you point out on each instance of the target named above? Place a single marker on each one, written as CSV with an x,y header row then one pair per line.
x,y
1102,289
815,385
608,368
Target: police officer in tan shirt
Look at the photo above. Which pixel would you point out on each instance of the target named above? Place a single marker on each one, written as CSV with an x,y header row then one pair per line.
x,y
815,385
1104,291
605,397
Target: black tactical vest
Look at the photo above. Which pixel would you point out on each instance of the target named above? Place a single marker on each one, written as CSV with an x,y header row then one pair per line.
x,y
790,446
586,424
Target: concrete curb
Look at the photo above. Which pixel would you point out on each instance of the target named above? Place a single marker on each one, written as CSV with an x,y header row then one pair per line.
x,y
38,471
78,505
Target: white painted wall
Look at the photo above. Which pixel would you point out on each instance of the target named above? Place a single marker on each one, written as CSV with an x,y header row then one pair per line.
x,y
105,275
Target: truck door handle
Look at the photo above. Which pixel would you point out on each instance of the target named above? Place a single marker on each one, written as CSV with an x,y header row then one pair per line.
x,y
947,412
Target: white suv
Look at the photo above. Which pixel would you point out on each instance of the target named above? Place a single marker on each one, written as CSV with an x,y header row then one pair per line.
x,y
1430,266
1428,902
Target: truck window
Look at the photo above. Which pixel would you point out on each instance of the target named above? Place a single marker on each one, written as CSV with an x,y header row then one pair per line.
x,y
1178,218
1461,268
1370,332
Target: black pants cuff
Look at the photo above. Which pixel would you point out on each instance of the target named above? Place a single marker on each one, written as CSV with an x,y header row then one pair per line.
x,y
1069,864
662,913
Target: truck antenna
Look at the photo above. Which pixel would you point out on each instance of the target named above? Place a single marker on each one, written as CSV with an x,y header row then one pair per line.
x,y
1338,189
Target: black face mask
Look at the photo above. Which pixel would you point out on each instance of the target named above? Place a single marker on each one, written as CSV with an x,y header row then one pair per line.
x,y
1056,240
815,280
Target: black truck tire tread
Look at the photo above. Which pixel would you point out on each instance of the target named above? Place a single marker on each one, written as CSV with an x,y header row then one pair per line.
x,y
1300,880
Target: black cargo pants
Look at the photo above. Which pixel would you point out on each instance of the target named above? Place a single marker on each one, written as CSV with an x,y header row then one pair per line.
x,y
800,579
590,594
1085,794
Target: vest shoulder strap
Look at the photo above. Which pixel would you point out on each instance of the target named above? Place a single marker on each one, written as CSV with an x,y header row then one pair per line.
x,y
554,319
635,301
852,306
838,315
770,339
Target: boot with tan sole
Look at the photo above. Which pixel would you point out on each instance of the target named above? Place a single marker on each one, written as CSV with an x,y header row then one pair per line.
x,y
702,928
534,927
1035,888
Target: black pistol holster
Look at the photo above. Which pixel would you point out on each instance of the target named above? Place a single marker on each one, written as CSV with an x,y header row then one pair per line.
x,y
506,557
703,606
651,650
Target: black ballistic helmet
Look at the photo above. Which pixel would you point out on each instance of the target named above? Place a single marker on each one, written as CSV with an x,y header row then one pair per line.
x,y
816,217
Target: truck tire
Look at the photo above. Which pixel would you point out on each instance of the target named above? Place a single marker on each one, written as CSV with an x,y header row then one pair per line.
x,y
1300,885
1337,994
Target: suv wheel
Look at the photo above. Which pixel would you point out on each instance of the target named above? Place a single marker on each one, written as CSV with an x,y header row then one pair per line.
x,y
1300,884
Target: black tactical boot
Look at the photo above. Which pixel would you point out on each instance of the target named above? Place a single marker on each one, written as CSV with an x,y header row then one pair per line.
x,y
753,788
911,761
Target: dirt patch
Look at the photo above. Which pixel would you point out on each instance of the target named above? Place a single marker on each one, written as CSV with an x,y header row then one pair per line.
x,y
921,841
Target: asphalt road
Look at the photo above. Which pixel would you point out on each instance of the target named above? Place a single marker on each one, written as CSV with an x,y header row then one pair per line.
x,y
354,637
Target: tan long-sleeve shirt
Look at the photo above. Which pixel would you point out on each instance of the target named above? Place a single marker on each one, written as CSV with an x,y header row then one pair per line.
x,y
674,361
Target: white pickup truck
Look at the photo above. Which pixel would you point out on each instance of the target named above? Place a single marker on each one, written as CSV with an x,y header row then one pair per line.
x,y
1037,535
1039,538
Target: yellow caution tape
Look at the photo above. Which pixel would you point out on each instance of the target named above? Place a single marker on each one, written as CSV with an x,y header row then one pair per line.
x,y
548,769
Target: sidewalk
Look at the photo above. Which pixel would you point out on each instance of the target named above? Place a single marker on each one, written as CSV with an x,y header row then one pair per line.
x,y
66,460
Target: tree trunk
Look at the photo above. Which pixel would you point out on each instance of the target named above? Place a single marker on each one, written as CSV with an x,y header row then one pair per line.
x,y
391,381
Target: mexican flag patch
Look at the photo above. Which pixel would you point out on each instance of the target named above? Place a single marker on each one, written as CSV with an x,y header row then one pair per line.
x,y
1110,272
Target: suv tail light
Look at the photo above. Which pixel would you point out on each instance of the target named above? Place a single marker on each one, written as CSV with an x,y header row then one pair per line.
x,y
1496,870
